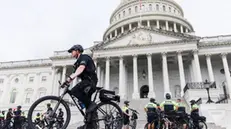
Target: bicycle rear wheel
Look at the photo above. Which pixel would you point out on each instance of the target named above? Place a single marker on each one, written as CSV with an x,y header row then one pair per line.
x,y
108,116
203,125
49,113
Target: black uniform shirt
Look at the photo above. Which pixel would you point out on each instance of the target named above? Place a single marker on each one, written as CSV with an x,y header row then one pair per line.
x,y
89,72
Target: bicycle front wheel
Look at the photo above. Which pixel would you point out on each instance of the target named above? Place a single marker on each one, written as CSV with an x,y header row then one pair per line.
x,y
47,109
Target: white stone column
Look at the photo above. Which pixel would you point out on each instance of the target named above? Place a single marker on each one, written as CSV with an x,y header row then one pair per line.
x,y
167,27
130,26
98,75
121,78
115,32
210,68
110,35
165,73
227,72
59,77
95,61
122,29
53,81
102,78
175,29
157,24
197,65
181,29
148,23
186,30
135,94
64,73
107,74
181,72
151,93
37,79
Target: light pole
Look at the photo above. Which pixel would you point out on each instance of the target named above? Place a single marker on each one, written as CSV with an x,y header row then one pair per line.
x,y
207,86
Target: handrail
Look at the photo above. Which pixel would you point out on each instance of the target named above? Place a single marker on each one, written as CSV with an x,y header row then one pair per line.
x,y
198,85
199,101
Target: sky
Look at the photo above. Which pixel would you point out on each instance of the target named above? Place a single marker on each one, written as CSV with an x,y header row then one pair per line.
x,y
34,29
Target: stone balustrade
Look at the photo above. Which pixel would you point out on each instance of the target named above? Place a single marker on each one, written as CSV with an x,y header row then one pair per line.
x,y
215,39
27,63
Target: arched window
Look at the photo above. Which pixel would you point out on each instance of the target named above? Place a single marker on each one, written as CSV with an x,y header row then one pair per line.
x,y
136,9
129,10
41,92
164,8
144,90
28,95
170,9
157,7
150,7
13,96
119,16
174,11
123,13
16,80
177,91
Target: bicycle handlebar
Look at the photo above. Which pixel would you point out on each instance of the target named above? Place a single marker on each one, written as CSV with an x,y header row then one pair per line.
x,y
65,83
133,110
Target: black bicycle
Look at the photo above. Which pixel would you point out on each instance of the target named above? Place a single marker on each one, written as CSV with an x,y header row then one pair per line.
x,y
201,123
106,115
134,117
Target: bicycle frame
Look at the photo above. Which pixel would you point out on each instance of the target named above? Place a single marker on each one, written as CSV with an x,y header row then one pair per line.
x,y
74,99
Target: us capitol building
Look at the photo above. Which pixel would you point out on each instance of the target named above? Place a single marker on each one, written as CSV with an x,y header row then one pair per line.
x,y
148,50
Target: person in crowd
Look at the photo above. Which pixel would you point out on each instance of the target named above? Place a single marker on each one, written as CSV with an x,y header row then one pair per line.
x,y
195,112
151,110
17,118
9,117
126,115
181,111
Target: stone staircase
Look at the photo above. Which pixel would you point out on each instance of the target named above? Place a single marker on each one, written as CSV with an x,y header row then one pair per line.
x,y
137,105
213,126
141,124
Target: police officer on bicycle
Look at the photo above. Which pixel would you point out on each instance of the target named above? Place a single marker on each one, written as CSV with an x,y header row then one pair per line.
x,y
168,105
84,69
181,112
151,110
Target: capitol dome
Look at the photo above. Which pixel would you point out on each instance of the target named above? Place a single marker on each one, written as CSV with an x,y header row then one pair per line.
x,y
162,15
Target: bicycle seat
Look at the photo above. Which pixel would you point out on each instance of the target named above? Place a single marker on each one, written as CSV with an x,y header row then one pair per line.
x,y
99,88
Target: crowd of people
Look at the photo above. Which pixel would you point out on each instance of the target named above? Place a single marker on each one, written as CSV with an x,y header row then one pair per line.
x,y
16,118
12,118
153,111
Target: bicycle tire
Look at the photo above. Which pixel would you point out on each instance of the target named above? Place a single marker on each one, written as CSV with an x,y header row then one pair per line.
x,y
116,106
206,127
146,125
34,105
134,125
